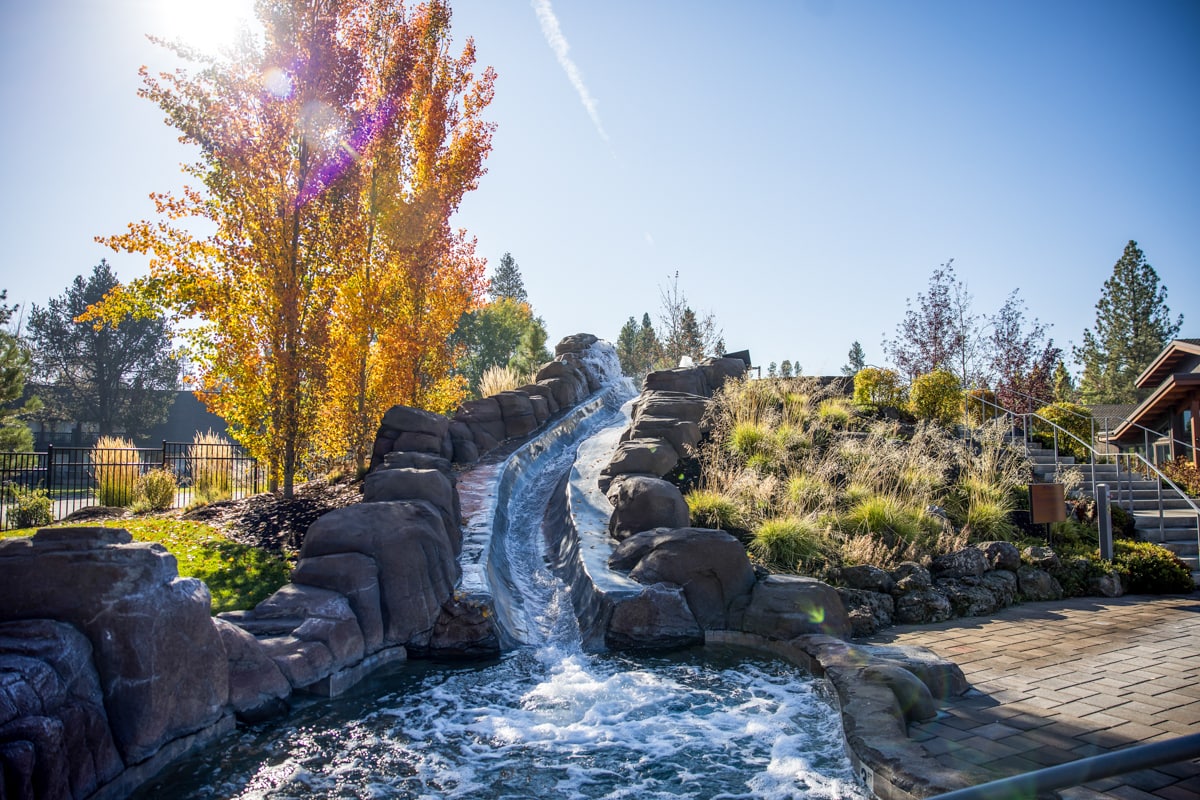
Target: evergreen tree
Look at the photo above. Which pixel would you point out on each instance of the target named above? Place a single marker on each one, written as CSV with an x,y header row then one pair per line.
x,y
1064,386
14,369
649,349
627,348
1133,325
772,370
122,376
682,333
507,281
498,334
785,369
532,352
857,360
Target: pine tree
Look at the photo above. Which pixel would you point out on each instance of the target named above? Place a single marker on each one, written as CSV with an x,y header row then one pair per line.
x,y
785,369
627,347
772,370
14,369
858,360
1133,325
507,281
1064,386
649,348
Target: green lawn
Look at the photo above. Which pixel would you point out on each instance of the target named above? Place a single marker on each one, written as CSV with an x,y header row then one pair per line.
x,y
238,575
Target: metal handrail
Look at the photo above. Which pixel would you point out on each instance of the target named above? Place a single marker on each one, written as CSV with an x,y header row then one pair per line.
x,y
1150,467
1084,770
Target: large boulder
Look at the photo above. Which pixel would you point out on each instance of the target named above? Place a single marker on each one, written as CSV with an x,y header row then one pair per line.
x,y
354,575
869,612
786,606
54,732
483,417
322,615
970,562
657,617
866,578
921,606
1001,555
710,565
517,412
161,664
466,628
1038,584
969,597
718,370
258,691
642,502
1002,584
431,485
575,343
689,380
415,420
639,456
418,569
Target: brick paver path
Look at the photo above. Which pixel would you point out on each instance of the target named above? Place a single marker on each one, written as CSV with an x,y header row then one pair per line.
x,y
1058,681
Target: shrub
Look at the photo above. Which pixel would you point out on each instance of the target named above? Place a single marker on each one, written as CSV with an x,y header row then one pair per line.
x,y
497,379
877,387
889,517
1184,474
32,509
155,491
791,542
709,509
115,466
1152,569
936,396
212,471
1074,419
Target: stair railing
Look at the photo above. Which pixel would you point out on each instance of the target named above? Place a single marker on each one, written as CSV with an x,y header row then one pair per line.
x,y
1132,460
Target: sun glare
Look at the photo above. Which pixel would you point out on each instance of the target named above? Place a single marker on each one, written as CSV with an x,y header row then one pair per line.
x,y
207,25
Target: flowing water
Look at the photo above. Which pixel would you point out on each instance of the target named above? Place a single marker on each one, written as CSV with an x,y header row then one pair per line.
x,y
547,720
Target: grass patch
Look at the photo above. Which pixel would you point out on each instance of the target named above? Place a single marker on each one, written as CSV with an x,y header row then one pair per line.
x,y
238,576
713,510
791,542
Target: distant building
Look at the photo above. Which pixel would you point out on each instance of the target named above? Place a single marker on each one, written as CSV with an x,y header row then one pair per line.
x,y
186,417
1164,424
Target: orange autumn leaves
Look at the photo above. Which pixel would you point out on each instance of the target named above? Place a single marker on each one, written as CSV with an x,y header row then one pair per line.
x,y
328,278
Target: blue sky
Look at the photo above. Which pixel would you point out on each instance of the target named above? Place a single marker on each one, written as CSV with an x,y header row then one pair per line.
x,y
803,165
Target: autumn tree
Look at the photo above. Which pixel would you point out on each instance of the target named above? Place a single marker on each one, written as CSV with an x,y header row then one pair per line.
x,y
857,360
331,157
1022,357
15,436
1133,325
939,332
122,377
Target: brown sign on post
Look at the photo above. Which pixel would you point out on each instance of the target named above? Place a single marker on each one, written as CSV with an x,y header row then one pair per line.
x,y
1047,502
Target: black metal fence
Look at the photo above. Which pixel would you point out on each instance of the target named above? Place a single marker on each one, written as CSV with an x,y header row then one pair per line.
x,y
77,477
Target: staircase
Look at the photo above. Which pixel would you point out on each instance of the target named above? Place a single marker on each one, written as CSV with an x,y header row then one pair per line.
x,y
1176,528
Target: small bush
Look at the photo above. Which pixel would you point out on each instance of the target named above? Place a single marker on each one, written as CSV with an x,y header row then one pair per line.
x,y
1152,569
936,396
889,517
497,379
791,542
1071,417
155,491
709,509
1184,474
807,493
32,509
877,387
116,466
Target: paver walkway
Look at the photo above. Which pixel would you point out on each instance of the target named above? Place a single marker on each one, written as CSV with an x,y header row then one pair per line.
x,y
1057,681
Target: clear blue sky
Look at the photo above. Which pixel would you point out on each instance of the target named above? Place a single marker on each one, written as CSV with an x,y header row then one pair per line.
x,y
803,165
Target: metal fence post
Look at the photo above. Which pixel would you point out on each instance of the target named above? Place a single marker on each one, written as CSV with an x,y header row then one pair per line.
x,y
1104,521
49,482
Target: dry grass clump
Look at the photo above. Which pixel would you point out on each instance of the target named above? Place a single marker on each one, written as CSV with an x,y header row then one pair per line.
x,y
115,466
497,379
817,483
212,467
